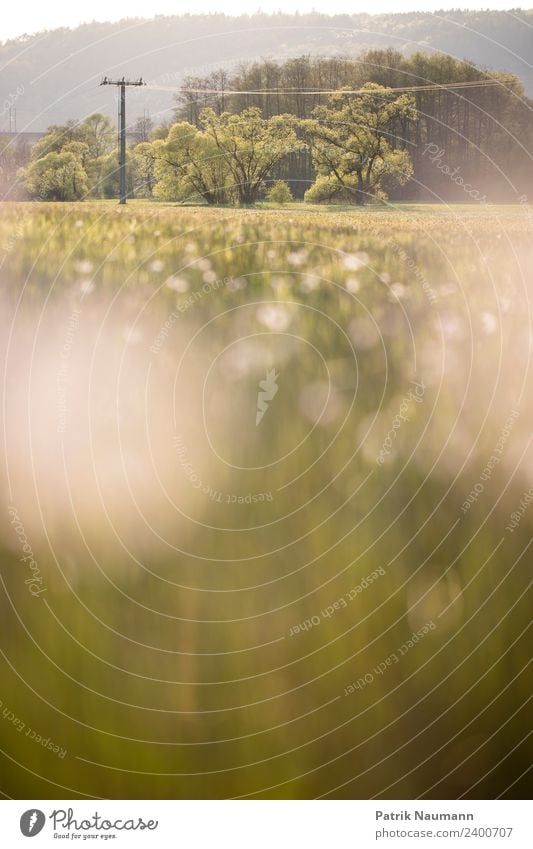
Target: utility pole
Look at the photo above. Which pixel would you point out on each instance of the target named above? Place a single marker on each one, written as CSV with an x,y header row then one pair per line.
x,y
122,130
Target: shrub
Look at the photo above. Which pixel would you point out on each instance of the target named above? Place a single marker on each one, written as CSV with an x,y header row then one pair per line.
x,y
280,193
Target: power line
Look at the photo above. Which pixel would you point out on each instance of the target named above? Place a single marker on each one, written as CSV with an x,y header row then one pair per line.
x,y
122,130
122,83
316,92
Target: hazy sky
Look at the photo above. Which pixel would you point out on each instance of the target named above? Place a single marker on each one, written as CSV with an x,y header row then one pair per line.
x,y
35,15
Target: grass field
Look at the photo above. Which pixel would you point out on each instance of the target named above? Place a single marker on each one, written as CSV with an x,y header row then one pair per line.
x,y
323,595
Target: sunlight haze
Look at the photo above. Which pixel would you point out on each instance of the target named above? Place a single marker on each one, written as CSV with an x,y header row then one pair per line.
x,y
36,16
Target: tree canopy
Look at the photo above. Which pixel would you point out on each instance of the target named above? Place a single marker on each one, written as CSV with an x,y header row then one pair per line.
x,y
351,142
250,145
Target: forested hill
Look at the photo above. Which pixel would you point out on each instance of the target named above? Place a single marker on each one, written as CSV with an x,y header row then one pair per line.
x,y
53,76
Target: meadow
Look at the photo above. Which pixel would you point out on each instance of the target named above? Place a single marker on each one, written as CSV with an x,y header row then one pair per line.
x,y
265,492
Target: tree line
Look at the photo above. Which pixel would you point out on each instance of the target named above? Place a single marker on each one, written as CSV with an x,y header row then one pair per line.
x,y
232,157
268,125
57,68
485,133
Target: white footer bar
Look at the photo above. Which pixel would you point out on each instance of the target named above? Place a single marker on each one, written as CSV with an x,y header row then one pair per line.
x,y
266,824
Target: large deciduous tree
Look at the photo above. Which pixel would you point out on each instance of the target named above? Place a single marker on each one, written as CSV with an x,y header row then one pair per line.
x,y
187,165
99,135
78,150
357,145
57,176
250,146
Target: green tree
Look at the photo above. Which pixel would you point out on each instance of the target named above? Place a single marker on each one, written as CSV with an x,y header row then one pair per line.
x,y
354,143
104,175
90,142
98,133
144,163
56,176
79,149
250,146
280,192
186,165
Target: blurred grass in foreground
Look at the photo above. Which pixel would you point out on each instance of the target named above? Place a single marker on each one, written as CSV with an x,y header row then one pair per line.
x,y
179,545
